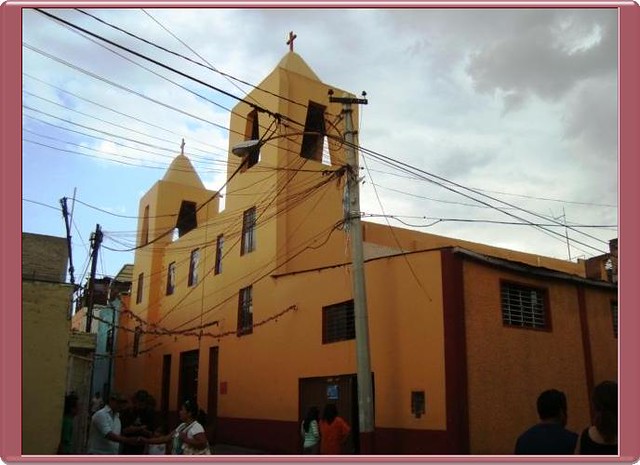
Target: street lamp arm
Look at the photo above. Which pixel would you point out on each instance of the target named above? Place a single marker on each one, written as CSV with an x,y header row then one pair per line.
x,y
243,148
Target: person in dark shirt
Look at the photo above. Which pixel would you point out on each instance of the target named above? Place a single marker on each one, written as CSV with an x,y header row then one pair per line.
x,y
601,438
137,421
549,437
66,436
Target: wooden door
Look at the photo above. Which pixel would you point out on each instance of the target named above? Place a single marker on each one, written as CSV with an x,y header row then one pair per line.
x,y
339,390
188,386
212,401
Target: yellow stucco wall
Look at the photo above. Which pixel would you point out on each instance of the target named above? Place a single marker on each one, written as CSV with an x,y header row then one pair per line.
x,y
45,348
404,325
412,240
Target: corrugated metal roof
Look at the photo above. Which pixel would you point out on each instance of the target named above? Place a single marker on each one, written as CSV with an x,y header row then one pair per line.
x,y
125,275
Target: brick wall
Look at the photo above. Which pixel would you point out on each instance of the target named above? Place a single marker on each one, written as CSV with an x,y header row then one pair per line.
x,y
44,258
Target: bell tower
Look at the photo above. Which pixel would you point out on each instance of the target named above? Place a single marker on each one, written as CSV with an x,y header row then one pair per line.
x,y
289,175
171,209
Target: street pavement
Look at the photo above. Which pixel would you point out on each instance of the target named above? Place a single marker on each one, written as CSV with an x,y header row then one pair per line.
x,y
228,449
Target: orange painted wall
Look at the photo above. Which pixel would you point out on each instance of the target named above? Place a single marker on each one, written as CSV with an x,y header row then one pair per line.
x,y
604,345
509,367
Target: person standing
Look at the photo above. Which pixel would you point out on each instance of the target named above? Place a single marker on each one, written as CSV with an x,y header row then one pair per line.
x,y
310,432
549,437
137,420
189,437
158,449
601,438
66,436
333,431
96,403
104,431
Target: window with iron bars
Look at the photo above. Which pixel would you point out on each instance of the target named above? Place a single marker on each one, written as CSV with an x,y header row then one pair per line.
x,y
219,245
338,322
140,288
248,231
524,306
193,267
245,311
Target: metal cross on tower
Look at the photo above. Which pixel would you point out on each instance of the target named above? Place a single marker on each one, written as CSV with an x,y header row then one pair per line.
x,y
182,147
292,37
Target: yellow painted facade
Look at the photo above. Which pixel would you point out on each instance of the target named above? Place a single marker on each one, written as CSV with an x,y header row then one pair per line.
x,y
300,265
45,350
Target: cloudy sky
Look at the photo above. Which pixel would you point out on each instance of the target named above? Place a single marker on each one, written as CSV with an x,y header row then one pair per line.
x,y
520,105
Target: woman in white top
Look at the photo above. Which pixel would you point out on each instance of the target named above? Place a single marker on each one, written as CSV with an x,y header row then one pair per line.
x,y
310,432
188,438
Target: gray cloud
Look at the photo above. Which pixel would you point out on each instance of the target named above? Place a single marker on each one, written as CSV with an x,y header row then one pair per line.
x,y
543,57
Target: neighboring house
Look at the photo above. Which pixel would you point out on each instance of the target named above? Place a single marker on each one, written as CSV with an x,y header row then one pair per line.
x,y
250,309
109,294
46,310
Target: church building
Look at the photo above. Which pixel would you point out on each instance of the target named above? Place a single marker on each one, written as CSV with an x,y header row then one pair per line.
x,y
249,309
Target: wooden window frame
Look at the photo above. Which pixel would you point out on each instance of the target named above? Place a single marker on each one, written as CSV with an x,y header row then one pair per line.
x,y
248,244
252,132
140,288
546,308
145,226
328,313
193,268
171,287
217,268
245,310
312,144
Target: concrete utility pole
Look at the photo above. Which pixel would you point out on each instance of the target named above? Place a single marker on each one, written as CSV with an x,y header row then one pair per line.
x,y
96,241
65,213
365,391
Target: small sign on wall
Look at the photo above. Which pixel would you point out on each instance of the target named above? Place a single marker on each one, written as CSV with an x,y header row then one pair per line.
x,y
418,404
333,392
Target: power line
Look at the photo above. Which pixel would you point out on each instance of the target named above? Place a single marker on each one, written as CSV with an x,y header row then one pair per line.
x,y
427,177
111,155
393,233
119,126
276,116
471,220
573,202
139,94
122,113
41,204
228,78
206,66
119,86
179,304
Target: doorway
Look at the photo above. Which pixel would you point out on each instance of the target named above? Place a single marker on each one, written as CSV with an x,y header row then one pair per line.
x,y
341,390
212,397
188,384
166,383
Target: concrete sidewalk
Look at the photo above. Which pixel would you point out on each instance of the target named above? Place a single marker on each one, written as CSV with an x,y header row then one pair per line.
x,y
228,449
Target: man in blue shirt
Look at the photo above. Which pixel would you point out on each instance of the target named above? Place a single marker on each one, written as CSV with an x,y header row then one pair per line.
x,y
549,437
